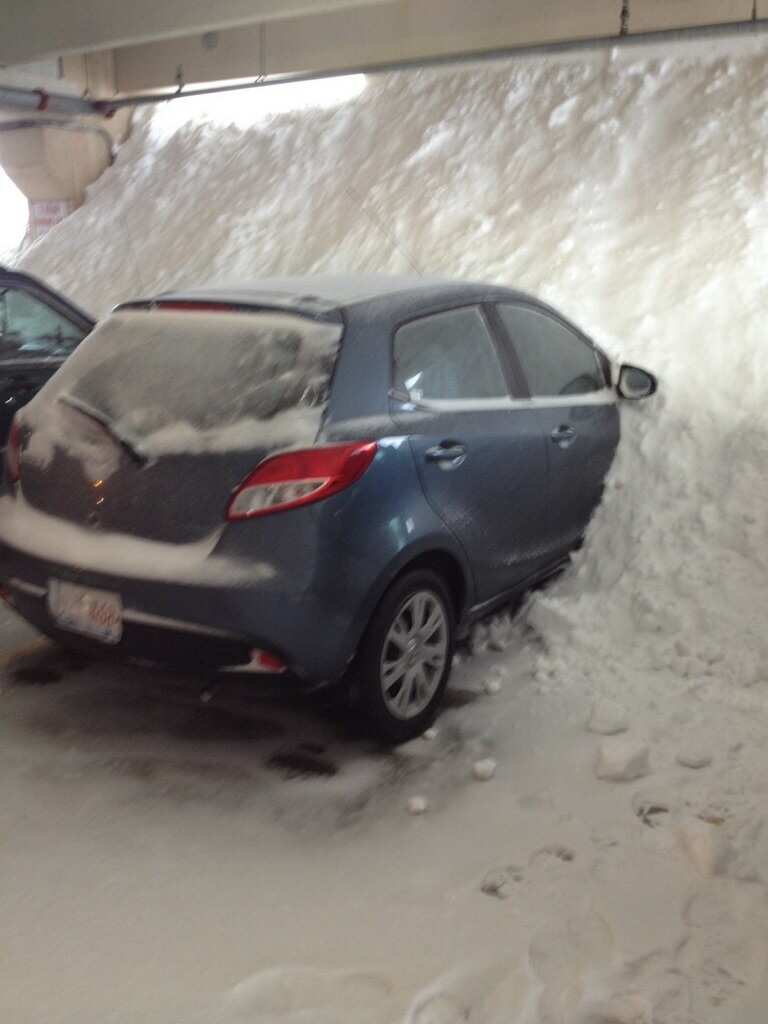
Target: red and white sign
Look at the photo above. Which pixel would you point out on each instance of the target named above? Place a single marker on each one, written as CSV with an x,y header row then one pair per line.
x,y
45,214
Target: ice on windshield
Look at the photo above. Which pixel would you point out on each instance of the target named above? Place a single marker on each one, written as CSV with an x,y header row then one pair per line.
x,y
170,376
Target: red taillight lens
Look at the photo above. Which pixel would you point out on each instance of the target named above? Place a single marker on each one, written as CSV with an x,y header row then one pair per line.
x,y
263,661
13,452
300,477
190,306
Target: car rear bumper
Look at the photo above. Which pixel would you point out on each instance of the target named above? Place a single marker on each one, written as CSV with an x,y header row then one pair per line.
x,y
200,628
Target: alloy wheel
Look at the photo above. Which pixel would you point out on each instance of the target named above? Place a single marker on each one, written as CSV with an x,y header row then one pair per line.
x,y
414,654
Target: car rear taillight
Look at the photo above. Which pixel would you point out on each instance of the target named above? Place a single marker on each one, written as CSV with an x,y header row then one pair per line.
x,y
264,661
191,306
13,452
300,477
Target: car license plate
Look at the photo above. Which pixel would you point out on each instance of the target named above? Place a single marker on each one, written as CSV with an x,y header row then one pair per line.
x,y
95,613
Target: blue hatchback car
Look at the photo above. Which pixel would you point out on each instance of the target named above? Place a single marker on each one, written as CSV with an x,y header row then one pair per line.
x,y
324,480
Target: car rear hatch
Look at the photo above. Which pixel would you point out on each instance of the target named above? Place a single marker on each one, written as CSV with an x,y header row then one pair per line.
x,y
158,416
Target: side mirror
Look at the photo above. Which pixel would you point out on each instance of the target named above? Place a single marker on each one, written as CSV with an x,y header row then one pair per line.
x,y
634,383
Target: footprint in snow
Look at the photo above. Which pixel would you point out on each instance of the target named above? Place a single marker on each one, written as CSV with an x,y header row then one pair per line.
x,y
498,881
650,810
471,996
294,995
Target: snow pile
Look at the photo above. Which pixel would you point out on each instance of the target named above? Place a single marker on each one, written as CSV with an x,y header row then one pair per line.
x,y
670,584
588,822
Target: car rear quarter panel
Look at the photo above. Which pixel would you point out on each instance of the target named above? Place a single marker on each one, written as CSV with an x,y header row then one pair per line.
x,y
329,563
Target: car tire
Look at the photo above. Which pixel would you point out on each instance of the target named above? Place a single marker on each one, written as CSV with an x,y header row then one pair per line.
x,y
402,665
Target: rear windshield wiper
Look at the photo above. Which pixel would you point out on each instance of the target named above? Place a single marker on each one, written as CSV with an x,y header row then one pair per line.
x,y
132,444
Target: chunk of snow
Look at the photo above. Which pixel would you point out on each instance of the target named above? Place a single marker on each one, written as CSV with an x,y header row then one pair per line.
x,y
623,1009
694,757
478,640
484,769
550,617
621,759
417,804
500,632
608,717
706,845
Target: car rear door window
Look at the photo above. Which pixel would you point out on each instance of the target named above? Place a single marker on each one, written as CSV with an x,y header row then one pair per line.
x,y
446,356
31,329
555,360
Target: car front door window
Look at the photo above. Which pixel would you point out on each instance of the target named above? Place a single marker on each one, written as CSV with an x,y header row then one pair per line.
x,y
555,360
34,341
577,413
30,329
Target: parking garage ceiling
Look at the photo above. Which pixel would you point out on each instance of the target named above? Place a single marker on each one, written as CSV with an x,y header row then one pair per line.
x,y
114,48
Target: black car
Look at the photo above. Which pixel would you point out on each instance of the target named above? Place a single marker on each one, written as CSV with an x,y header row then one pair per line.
x,y
38,330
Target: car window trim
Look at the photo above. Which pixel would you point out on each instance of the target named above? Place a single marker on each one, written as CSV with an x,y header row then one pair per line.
x,y
605,396
21,363
517,383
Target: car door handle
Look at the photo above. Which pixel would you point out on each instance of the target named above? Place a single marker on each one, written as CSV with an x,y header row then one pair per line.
x,y
446,451
564,435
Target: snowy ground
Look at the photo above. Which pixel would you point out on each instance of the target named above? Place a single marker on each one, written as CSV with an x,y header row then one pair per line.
x,y
169,861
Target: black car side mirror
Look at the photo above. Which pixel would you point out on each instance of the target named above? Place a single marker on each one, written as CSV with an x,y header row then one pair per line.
x,y
634,383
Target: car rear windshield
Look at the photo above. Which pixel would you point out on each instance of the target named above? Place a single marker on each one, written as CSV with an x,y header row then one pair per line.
x,y
150,372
